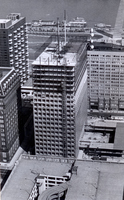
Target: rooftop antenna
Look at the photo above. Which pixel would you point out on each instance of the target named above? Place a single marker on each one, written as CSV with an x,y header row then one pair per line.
x,y
65,24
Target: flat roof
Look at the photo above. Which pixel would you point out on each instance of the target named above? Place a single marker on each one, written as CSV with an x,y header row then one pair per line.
x,y
96,180
67,56
94,140
21,182
11,19
104,46
4,20
28,83
95,137
119,136
104,123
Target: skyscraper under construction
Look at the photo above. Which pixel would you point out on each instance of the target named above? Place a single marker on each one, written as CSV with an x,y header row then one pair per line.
x,y
60,100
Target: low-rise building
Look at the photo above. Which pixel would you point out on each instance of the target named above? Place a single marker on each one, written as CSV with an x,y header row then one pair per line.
x,y
102,139
34,174
96,180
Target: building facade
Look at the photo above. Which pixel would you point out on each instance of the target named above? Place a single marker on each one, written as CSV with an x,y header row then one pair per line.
x,y
106,77
27,93
9,96
13,44
59,103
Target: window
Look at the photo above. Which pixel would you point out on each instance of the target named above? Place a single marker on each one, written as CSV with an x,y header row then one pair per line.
x,y
4,155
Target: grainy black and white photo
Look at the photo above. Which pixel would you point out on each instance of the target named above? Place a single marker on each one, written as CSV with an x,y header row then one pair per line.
x,y
61,99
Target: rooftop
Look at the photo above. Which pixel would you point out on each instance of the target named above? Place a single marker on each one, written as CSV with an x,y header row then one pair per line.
x,y
67,55
4,71
119,136
97,134
4,20
107,46
22,180
96,180
28,84
104,123
10,20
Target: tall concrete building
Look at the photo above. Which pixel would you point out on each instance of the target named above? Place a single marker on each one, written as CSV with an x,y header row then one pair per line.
x,y
13,44
106,77
9,102
60,100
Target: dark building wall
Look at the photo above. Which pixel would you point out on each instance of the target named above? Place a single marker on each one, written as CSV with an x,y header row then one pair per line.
x,y
11,122
9,133
4,48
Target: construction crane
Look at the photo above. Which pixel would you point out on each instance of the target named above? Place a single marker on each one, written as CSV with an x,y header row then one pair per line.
x,y
118,29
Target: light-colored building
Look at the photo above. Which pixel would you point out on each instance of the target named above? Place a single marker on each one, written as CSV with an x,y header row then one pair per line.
x,y
9,105
91,179
102,139
60,104
13,44
38,175
96,180
106,77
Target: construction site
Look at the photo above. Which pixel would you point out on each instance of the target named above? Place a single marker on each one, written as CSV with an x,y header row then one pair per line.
x,y
58,103
79,153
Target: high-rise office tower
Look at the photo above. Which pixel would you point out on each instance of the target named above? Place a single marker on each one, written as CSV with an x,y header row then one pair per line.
x,y
106,77
13,44
60,100
9,99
